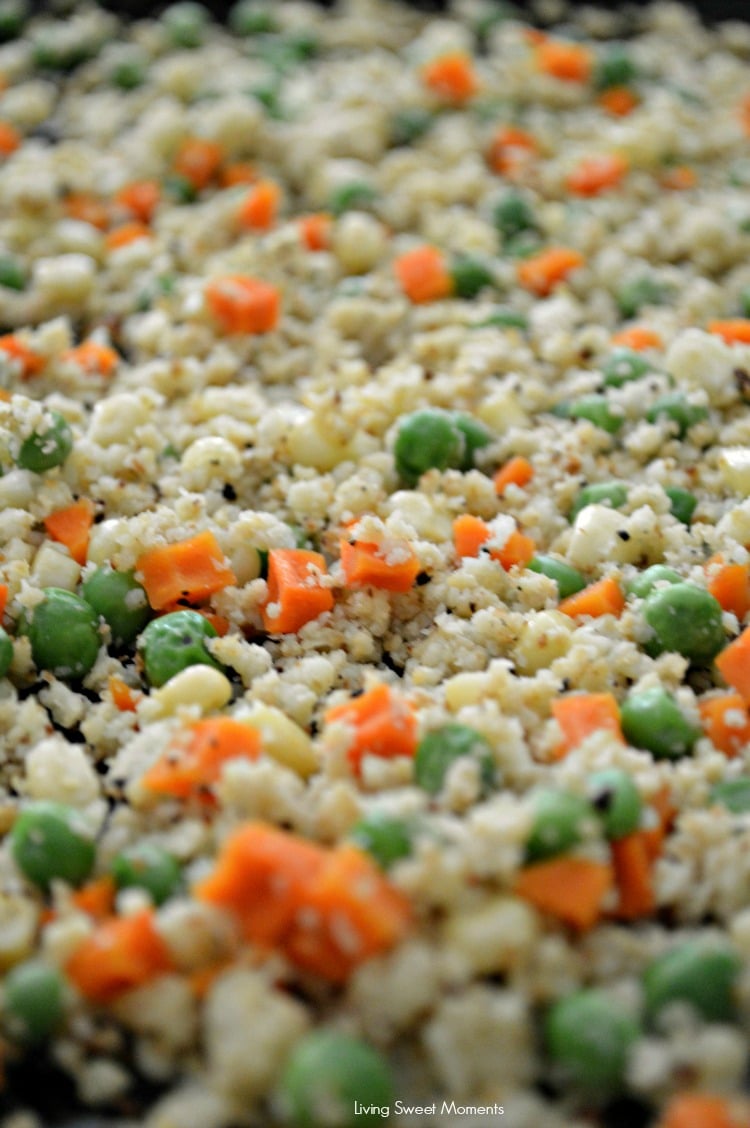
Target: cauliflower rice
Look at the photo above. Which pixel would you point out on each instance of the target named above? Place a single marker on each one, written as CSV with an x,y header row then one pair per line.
x,y
488,137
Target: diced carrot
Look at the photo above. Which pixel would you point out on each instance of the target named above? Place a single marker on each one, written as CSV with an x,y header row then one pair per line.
x,y
735,330
10,139
71,526
510,148
87,208
93,358
261,876
260,206
198,160
190,570
295,592
452,77
726,722
123,697
619,101
730,586
3,599
28,361
315,230
744,113
469,534
581,714
364,563
202,979
126,234
96,897
664,811
195,758
517,471
633,876
423,274
594,175
678,178
516,552
120,954
241,304
238,172
570,62
351,913
540,273
140,198
703,1110
534,35
382,723
601,598
639,338
733,663
5,395
220,623
571,889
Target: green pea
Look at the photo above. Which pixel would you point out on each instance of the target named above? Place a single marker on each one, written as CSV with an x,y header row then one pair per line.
x,y
147,866
129,69
160,287
325,1075
269,95
52,52
475,436
624,365
597,410
285,52
251,18
639,292
645,583
682,503
610,493
180,189
12,273
13,16
616,799
739,173
734,794
438,751
503,319
522,245
513,214
561,820
173,642
568,579
676,407
491,17
186,23
409,124
589,1038
744,301
6,652
469,276
356,194
263,559
34,1001
425,439
120,600
653,720
43,450
50,841
616,68
699,972
385,837
687,619
64,634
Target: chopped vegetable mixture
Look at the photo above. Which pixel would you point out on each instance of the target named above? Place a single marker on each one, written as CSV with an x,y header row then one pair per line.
x,y
374,567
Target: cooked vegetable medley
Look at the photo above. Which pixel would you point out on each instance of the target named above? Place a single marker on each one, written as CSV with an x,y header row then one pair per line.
x,y
374,567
